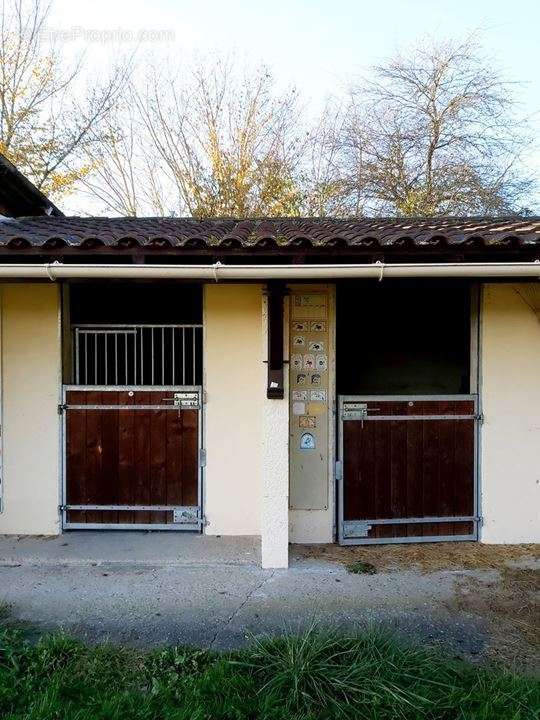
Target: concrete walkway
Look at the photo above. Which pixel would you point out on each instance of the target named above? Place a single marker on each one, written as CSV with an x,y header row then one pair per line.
x,y
149,589
175,549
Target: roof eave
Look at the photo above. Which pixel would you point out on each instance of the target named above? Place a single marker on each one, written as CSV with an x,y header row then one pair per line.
x,y
21,196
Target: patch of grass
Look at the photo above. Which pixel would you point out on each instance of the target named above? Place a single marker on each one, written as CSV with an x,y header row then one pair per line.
x,y
317,676
359,567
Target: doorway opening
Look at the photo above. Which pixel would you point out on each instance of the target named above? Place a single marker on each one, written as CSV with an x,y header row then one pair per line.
x,y
408,411
131,407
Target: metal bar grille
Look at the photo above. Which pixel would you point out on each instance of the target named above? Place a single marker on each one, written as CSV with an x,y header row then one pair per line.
x,y
137,354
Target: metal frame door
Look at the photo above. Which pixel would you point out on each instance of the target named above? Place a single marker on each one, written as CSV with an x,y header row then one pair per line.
x,y
356,532
182,517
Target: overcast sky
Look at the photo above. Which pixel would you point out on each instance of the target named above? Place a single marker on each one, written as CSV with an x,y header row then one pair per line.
x,y
317,45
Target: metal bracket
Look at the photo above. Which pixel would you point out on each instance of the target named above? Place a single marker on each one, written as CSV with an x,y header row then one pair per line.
x,y
185,515
61,408
356,529
338,470
202,457
354,411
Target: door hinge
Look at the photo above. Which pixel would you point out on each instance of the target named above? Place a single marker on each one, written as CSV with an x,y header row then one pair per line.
x,y
338,470
479,417
202,457
61,408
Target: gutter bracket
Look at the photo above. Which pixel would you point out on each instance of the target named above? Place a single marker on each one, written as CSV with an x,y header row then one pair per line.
x,y
215,268
49,268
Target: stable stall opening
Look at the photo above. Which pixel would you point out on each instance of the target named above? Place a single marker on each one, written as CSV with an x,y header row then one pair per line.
x,y
408,411
135,334
404,338
132,406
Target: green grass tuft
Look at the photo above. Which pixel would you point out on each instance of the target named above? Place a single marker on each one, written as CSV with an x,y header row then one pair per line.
x,y
361,568
316,676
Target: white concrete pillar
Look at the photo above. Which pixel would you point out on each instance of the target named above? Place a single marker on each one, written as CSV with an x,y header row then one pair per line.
x,y
275,500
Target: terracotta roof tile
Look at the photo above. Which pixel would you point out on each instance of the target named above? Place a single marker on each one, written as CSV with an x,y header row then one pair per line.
x,y
88,232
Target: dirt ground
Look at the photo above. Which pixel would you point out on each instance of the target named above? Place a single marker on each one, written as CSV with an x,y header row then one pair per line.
x,y
427,557
508,600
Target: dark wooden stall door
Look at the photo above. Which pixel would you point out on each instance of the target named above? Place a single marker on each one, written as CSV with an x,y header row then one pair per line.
x,y
129,457
398,469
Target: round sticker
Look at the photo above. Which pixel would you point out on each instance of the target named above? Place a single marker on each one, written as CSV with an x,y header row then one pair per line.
x,y
307,442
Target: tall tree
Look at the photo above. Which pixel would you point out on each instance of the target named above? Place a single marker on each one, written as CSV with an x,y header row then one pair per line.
x,y
325,184
213,141
435,132
126,176
229,143
45,121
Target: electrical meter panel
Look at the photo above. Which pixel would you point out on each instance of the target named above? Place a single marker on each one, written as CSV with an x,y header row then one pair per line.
x,y
309,336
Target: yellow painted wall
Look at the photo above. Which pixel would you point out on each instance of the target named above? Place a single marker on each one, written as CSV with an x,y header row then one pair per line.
x,y
510,438
235,392
31,377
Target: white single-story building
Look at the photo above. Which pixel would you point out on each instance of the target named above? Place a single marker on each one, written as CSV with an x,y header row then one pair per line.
x,y
303,380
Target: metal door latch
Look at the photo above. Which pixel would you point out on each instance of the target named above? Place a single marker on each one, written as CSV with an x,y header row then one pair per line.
x,y
356,529
185,515
356,411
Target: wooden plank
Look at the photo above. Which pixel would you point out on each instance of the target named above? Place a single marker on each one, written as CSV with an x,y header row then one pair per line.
x,y
382,462
398,472
414,476
446,466
417,471
94,448
126,492
464,474
173,466
190,457
141,477
431,473
75,456
352,463
158,461
107,479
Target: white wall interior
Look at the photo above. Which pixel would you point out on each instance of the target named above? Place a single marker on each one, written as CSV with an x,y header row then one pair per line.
x,y
234,383
510,438
31,381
